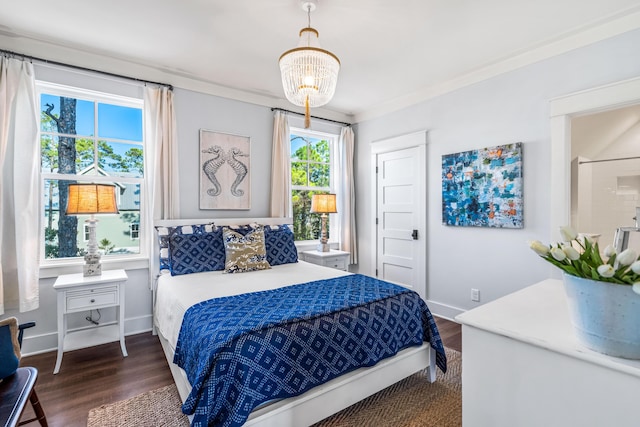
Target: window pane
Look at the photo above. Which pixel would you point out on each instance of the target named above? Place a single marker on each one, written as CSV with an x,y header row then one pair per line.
x,y
66,115
298,147
319,175
80,148
120,159
65,234
85,156
49,153
306,225
118,122
299,174
320,150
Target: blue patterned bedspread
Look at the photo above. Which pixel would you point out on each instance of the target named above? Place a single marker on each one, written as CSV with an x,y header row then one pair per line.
x,y
243,350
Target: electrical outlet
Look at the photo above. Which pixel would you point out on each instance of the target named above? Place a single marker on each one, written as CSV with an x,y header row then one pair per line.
x,y
475,295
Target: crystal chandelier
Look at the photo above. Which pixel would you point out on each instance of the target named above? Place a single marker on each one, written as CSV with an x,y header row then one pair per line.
x,y
309,73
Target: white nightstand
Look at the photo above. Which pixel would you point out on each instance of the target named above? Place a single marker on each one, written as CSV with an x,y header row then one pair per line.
x,y
79,293
334,258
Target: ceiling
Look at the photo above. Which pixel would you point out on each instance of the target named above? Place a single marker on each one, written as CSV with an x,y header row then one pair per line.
x,y
393,53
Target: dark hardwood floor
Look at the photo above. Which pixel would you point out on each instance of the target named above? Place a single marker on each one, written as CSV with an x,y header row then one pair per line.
x,y
451,333
94,376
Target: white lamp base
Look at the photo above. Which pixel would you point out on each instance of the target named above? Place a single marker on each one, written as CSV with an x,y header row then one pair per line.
x,y
92,270
323,247
92,265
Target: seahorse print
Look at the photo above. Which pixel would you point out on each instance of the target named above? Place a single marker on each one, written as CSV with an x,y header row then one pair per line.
x,y
238,167
211,166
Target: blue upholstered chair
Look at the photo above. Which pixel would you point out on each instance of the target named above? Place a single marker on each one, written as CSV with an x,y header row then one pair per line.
x,y
16,383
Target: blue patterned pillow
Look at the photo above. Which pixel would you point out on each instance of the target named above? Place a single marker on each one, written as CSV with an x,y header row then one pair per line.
x,y
280,245
200,250
163,244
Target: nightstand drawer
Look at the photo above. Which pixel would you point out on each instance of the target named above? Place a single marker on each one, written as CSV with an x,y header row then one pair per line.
x,y
338,262
92,298
332,259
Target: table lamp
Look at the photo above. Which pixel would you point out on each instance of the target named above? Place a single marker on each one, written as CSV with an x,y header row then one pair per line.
x,y
323,204
92,199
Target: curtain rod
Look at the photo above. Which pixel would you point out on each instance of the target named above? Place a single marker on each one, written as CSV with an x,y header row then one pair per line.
x,y
609,160
313,117
61,64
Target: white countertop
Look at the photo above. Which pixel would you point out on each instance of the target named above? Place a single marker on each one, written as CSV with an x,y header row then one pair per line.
x,y
539,315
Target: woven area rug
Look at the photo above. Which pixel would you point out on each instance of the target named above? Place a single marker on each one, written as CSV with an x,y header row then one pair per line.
x,y
412,402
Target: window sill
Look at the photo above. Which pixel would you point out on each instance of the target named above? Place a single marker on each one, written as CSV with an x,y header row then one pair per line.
x,y
56,268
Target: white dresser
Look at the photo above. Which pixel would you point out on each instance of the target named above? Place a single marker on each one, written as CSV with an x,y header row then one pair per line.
x,y
522,366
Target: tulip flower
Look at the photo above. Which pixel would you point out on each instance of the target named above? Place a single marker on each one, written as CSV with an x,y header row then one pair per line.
x,y
568,234
580,256
606,270
558,254
539,247
609,251
627,257
571,252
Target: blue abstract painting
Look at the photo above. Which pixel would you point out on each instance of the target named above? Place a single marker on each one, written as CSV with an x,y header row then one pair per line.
x,y
483,188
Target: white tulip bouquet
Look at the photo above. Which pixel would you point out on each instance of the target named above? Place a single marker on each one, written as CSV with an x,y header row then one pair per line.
x,y
622,268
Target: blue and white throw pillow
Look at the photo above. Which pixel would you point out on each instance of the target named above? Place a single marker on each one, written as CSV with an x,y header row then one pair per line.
x,y
163,244
280,245
198,251
164,234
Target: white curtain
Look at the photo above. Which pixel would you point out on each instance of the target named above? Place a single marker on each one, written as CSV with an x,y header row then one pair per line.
x,y
161,197
347,194
280,167
19,187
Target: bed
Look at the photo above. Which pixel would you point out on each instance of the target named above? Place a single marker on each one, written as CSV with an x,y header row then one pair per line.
x,y
188,294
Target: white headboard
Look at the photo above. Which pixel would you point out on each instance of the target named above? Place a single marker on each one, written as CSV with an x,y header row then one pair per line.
x,y
155,260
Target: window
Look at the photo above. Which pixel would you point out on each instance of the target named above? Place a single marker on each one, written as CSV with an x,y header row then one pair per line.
x,y
134,231
88,136
312,169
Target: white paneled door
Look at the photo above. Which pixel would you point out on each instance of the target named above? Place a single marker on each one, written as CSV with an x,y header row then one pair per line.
x,y
401,217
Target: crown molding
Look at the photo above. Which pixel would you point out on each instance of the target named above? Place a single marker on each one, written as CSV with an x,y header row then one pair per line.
x,y
101,61
605,28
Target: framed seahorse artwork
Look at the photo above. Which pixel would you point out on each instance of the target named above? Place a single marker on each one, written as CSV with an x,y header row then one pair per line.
x,y
225,168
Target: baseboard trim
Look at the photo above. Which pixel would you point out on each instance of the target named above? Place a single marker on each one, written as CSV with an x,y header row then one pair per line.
x,y
443,310
44,343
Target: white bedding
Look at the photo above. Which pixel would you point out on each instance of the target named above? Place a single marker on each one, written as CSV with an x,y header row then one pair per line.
x,y
175,294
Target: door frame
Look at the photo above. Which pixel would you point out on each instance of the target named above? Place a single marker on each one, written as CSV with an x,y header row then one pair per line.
x,y
401,142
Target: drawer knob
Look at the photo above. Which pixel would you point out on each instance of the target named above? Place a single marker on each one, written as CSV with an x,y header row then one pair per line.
x,y
92,300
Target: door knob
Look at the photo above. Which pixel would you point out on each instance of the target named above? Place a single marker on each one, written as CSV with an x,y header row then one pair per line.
x,y
415,234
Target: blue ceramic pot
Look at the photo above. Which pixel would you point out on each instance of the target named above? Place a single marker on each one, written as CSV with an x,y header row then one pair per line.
x,y
605,316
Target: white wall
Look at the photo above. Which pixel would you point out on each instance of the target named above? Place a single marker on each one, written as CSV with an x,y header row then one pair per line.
x,y
508,108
